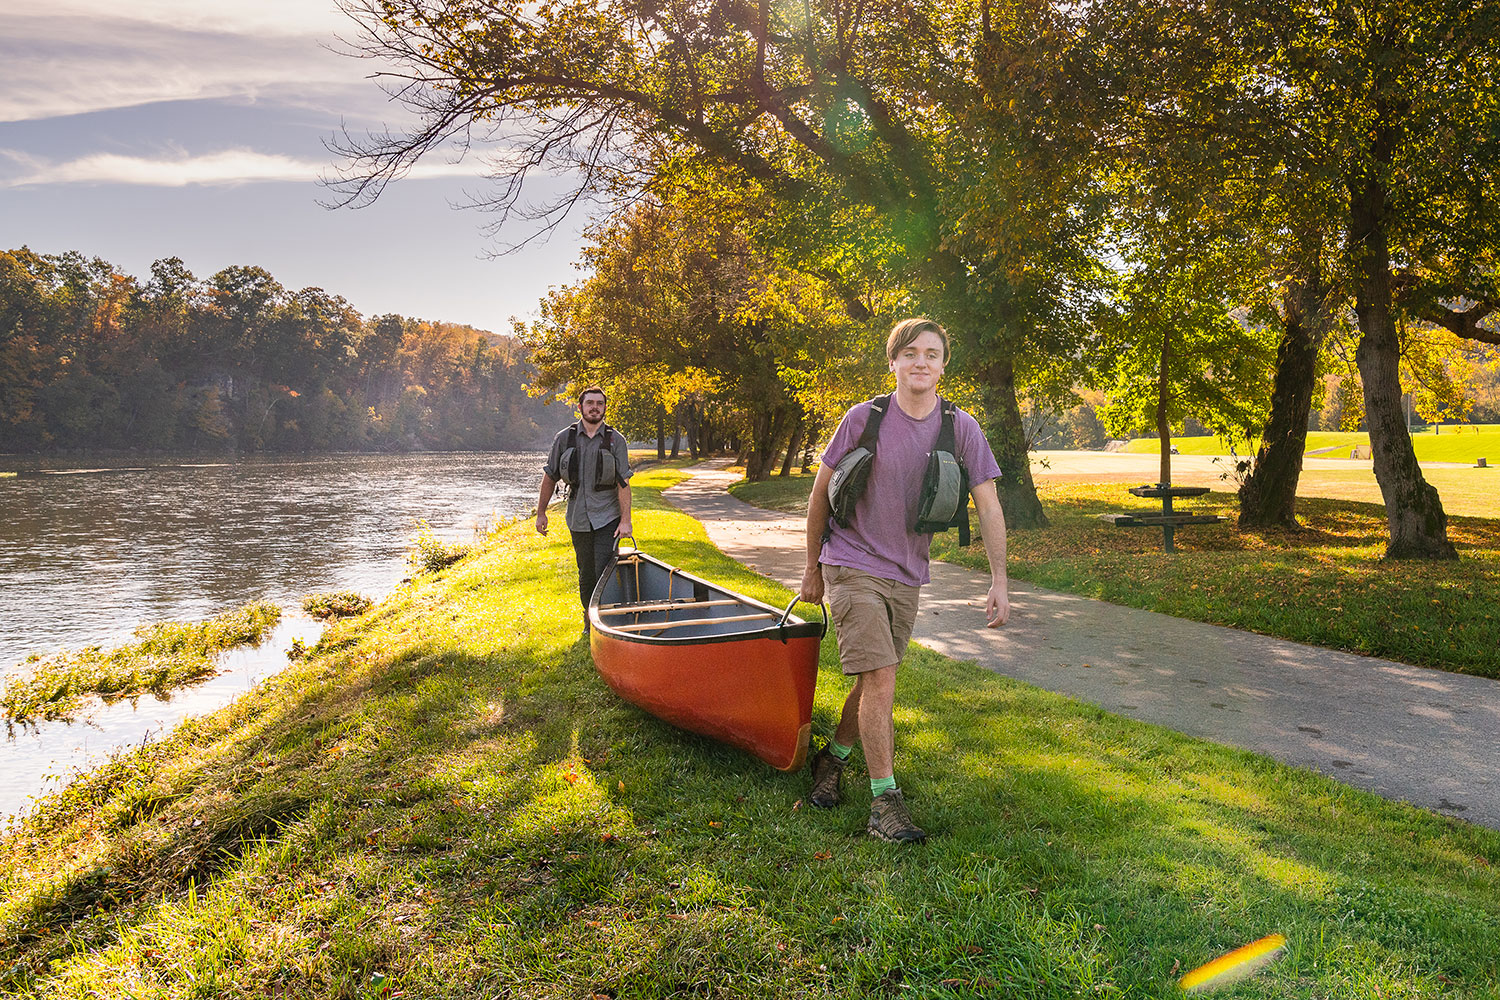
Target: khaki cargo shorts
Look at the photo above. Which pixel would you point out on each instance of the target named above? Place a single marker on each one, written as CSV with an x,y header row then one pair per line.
x,y
873,618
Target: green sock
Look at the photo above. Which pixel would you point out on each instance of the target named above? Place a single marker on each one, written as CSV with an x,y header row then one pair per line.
x,y
839,750
879,786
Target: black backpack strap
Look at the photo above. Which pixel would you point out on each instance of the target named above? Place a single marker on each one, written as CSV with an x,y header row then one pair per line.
x,y
868,436
570,474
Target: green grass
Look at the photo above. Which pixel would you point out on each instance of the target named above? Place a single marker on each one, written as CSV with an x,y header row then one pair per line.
x,y
444,800
164,656
336,604
1328,585
1185,445
1445,444
1465,492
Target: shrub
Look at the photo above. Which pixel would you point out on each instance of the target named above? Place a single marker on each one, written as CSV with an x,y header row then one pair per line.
x,y
428,553
337,604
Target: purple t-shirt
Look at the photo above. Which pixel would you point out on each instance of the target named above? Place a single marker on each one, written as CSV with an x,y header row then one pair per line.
x,y
879,539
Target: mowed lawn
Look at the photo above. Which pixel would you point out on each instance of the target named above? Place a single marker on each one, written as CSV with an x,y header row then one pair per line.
x,y
1328,585
1464,444
445,801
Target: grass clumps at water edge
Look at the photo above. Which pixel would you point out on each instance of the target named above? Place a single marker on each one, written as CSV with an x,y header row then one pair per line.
x,y
430,554
336,604
445,800
164,656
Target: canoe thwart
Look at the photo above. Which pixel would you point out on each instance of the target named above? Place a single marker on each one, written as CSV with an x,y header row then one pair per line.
x,y
642,607
643,626
649,626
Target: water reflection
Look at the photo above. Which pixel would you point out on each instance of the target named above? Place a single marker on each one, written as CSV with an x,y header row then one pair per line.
x,y
89,552
85,557
41,760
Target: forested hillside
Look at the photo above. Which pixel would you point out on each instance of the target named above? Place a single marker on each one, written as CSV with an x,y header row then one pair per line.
x,y
92,358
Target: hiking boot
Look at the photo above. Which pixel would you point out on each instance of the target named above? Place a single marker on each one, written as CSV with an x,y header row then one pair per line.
x,y
890,821
827,775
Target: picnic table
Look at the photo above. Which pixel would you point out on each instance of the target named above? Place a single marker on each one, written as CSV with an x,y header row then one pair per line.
x,y
1168,520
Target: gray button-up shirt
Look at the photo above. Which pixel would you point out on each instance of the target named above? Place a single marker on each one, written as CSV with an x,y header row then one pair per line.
x,y
588,508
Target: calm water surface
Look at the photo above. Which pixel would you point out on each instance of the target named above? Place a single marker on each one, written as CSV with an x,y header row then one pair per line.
x,y
88,553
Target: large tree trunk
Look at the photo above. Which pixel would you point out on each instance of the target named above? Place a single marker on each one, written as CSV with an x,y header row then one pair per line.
x,y
661,432
676,430
810,431
1268,498
695,445
766,428
793,444
1007,437
1418,525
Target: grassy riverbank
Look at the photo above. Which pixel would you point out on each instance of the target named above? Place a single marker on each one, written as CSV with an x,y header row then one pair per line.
x,y
444,800
164,656
1328,585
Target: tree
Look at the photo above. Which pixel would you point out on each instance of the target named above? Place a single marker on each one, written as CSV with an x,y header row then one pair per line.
x,y
677,300
1175,351
873,114
1384,117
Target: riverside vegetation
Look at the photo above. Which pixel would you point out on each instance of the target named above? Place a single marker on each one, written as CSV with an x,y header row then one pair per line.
x,y
163,656
444,800
1327,585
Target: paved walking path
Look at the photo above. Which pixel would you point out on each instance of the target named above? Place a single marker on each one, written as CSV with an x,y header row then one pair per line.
x,y
1424,736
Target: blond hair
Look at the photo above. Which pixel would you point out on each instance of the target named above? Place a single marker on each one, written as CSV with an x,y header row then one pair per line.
x,y
908,330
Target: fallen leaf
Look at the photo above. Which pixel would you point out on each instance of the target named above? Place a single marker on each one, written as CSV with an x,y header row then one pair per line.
x,y
796,805
822,855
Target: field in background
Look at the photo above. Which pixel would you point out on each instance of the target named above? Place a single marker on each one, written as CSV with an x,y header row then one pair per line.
x,y
1446,444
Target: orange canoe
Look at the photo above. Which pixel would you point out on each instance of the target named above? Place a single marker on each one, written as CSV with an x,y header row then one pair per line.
x,y
706,659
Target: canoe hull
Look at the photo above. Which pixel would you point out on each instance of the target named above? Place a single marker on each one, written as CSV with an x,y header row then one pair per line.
x,y
715,663
706,689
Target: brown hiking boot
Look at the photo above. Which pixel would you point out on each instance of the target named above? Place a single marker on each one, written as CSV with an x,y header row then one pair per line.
x,y
890,821
827,775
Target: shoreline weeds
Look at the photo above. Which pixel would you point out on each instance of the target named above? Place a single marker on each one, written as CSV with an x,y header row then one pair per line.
x,y
55,752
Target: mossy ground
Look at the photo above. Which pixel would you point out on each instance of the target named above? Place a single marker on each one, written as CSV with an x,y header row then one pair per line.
x,y
444,800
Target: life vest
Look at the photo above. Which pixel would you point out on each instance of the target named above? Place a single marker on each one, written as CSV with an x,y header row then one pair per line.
x,y
945,485
606,470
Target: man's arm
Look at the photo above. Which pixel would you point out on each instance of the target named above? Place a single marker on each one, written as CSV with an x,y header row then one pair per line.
x,y
992,526
544,497
624,528
818,512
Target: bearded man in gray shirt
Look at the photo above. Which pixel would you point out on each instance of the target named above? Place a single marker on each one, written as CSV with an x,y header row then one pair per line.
x,y
591,458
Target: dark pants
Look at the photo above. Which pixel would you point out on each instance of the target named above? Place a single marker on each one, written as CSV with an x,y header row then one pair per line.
x,y
593,549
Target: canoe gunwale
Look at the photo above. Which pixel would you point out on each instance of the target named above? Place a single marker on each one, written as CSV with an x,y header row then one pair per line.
x,y
794,628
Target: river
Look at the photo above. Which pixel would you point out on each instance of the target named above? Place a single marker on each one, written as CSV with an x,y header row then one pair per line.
x,y
89,551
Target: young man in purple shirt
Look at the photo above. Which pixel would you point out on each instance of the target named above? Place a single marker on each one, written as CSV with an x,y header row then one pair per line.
x,y
873,570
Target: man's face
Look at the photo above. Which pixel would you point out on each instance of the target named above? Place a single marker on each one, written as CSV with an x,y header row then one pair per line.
x,y
919,365
592,408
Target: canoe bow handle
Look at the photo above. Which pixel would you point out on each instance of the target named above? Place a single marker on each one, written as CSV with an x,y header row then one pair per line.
x,y
787,614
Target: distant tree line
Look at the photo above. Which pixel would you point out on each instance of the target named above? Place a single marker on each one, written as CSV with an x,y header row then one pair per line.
x,y
92,358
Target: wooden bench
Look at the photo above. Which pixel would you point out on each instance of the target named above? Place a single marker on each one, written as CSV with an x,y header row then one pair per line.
x,y
1167,520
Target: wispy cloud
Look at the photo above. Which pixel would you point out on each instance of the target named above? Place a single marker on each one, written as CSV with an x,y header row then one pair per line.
x,y
62,64
230,166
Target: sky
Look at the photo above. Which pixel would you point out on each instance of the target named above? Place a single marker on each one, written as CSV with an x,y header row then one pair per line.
x,y
196,129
